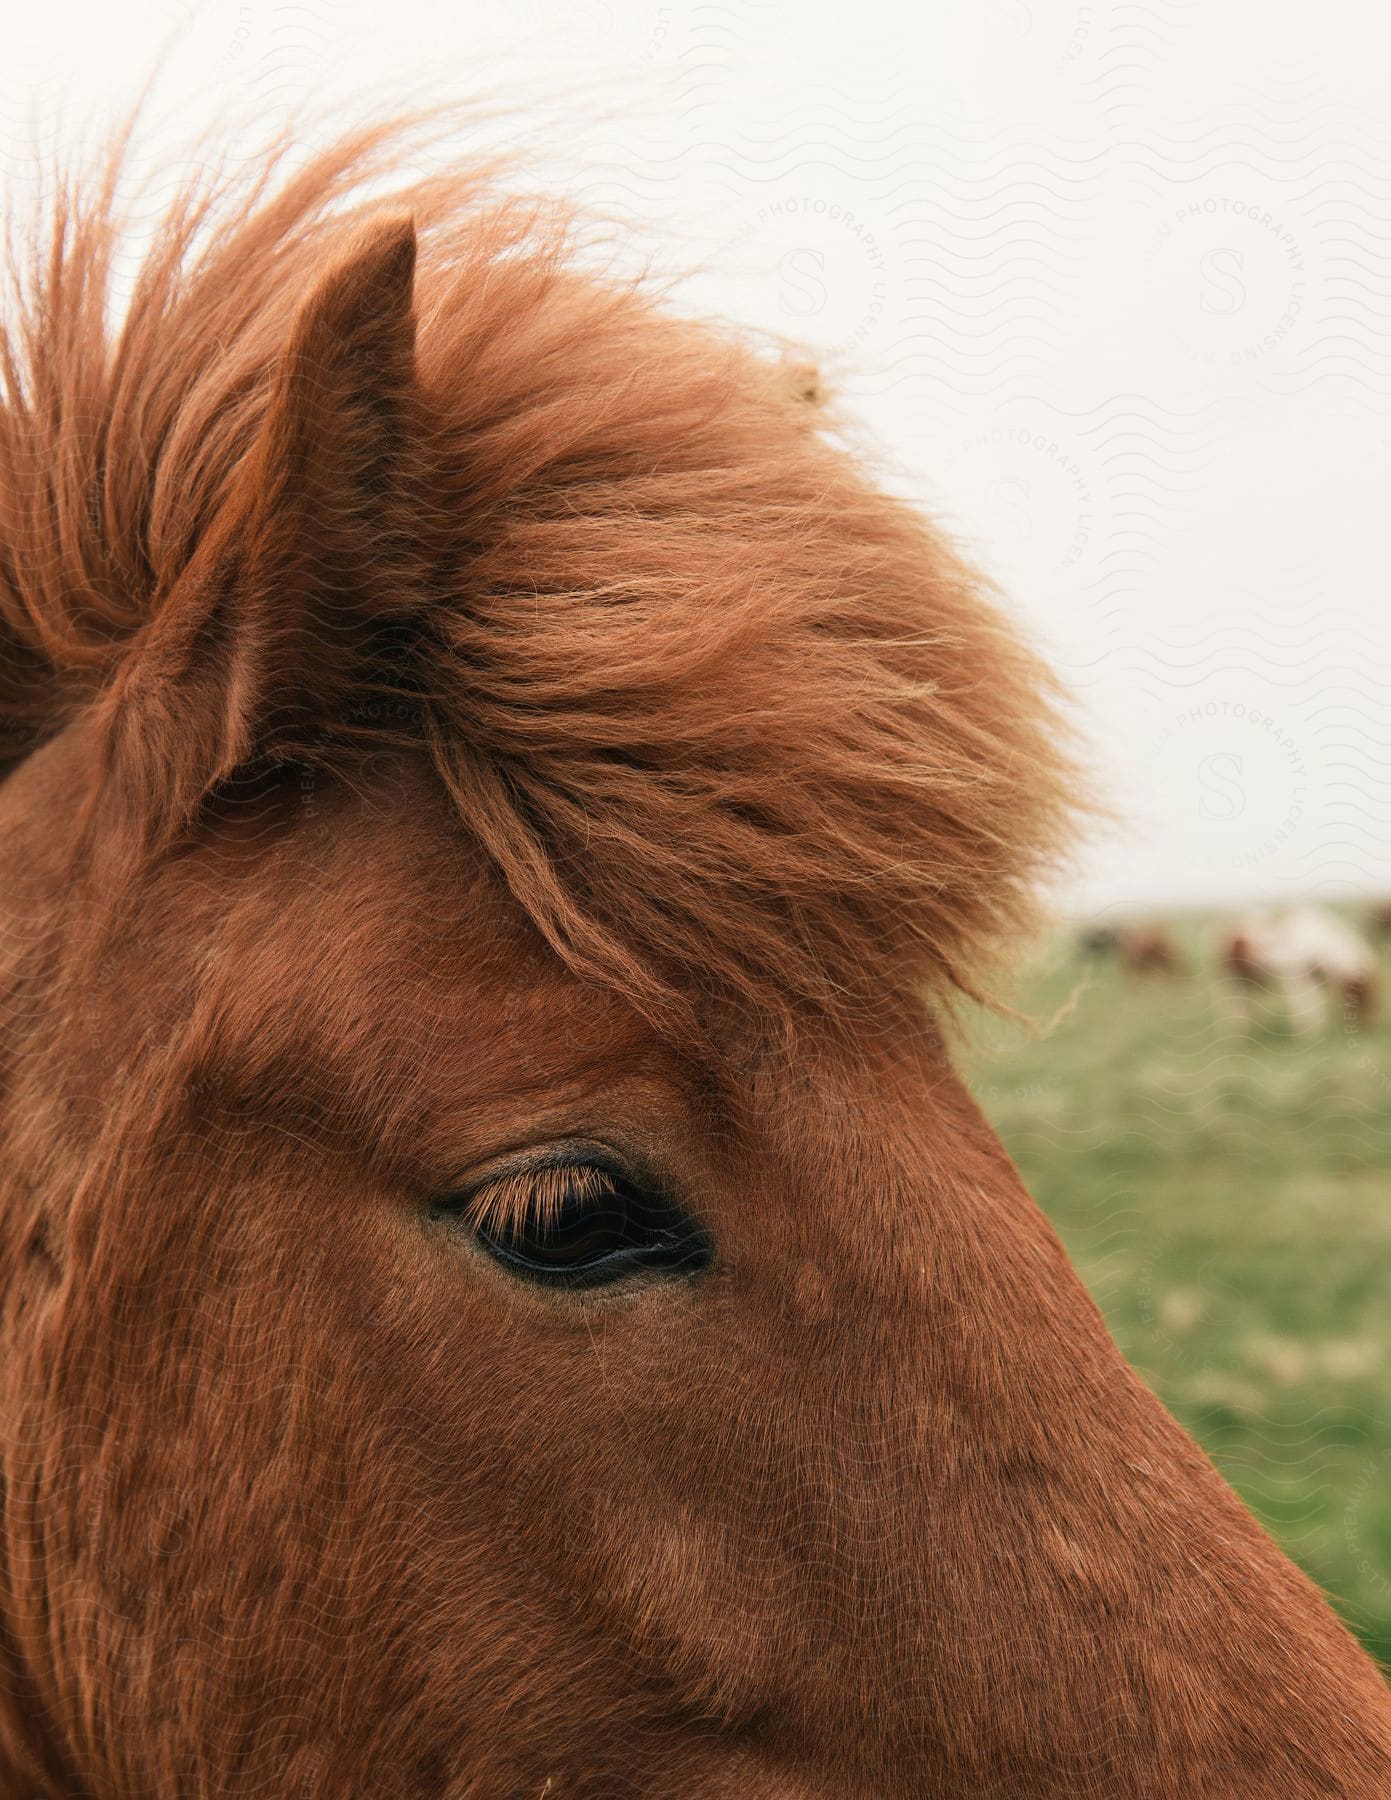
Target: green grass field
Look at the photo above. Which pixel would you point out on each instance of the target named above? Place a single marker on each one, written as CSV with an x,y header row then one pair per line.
x,y
1227,1198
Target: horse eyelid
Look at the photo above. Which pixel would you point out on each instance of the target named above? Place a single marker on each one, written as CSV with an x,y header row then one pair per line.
x,y
535,1195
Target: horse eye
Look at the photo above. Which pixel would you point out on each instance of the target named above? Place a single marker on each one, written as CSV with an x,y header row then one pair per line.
x,y
578,1225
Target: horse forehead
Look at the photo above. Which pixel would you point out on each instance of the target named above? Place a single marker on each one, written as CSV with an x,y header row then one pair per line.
x,y
360,874
372,948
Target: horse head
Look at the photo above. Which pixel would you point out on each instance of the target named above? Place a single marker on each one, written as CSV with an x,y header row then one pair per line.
x,y
505,1292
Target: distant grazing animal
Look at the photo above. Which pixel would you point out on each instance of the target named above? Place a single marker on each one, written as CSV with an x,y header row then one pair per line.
x,y
1141,949
505,1292
1151,950
1291,960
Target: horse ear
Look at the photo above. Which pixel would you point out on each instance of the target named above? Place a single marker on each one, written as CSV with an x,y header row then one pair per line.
x,y
255,650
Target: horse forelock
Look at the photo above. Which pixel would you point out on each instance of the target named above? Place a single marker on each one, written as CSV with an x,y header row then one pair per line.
x,y
735,727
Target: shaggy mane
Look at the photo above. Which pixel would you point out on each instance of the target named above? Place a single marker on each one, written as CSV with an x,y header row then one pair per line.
x,y
734,726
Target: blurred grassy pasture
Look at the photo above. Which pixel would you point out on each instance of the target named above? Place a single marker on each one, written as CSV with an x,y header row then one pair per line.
x,y
1226,1195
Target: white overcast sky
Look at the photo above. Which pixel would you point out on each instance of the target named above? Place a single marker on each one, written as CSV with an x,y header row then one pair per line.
x,y
1110,284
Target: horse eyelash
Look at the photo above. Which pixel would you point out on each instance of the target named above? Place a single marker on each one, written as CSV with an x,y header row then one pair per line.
x,y
535,1197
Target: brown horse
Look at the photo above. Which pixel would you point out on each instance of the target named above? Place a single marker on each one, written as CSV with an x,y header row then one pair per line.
x,y
504,1291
